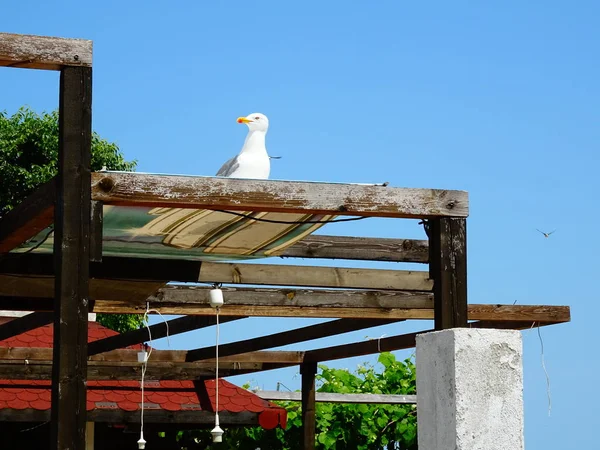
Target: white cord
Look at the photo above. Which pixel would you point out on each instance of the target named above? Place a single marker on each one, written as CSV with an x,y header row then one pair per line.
x,y
545,371
145,363
217,366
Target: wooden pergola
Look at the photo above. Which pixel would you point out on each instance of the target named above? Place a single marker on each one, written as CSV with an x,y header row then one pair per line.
x,y
77,278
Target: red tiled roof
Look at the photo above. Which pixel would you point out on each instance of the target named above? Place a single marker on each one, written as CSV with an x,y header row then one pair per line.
x,y
127,395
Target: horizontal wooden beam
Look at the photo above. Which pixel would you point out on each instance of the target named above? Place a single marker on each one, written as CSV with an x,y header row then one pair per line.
x,y
399,342
314,276
359,248
113,370
330,397
265,302
318,331
43,52
136,189
29,218
232,273
24,324
120,416
158,331
174,356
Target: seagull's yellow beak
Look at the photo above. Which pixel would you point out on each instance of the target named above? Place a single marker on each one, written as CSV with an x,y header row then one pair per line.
x,y
243,120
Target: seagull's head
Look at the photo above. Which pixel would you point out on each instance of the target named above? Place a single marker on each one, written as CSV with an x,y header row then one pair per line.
x,y
255,122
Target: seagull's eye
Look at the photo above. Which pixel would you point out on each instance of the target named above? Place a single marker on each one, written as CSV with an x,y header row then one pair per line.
x,y
257,118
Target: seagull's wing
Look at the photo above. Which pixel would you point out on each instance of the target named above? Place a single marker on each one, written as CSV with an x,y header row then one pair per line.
x,y
541,232
551,232
229,167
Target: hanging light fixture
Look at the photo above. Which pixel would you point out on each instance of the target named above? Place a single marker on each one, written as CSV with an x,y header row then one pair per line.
x,y
216,301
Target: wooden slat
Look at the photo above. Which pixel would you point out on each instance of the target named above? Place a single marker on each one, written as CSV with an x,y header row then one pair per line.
x,y
333,277
28,218
174,356
359,248
330,397
25,323
43,52
195,299
448,269
278,196
113,370
157,331
321,330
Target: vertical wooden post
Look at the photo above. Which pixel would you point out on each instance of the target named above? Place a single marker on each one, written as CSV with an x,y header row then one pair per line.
x,y
308,370
448,269
72,255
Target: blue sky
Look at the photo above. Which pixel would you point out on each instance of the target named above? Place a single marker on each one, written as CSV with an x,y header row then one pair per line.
x,y
497,98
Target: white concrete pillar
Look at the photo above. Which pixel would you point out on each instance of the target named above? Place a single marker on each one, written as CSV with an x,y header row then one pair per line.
x,y
470,390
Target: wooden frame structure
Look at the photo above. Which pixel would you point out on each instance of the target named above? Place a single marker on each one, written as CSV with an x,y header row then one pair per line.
x,y
77,279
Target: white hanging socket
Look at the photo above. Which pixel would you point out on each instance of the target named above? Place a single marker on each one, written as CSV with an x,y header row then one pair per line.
x,y
141,443
142,356
216,298
217,434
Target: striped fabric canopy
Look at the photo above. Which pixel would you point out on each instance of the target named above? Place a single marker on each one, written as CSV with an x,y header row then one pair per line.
x,y
200,234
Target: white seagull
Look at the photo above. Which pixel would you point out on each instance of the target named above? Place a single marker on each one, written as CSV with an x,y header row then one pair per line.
x,y
253,161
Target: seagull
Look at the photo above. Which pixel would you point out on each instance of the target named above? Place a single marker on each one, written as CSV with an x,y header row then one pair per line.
x,y
253,161
546,234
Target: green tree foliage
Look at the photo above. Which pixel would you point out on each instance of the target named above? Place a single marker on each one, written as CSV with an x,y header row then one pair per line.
x,y
29,158
339,425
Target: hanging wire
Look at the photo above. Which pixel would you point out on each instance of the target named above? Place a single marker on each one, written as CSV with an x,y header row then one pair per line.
x,y
258,219
545,371
147,356
217,364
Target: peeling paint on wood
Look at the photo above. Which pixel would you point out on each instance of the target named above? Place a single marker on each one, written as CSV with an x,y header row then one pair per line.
x,y
43,52
280,196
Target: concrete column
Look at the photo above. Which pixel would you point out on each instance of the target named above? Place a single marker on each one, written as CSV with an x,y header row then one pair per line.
x,y
470,390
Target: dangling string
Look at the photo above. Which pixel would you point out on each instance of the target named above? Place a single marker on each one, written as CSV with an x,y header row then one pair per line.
x,y
148,352
217,365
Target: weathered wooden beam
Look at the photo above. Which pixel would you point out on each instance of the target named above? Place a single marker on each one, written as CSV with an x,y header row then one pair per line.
x,y
157,331
128,355
328,397
281,302
359,248
448,269
43,52
231,273
321,330
116,370
335,277
25,323
136,189
308,371
28,218
72,256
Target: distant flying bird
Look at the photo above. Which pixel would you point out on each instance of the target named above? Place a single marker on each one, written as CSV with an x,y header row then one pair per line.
x,y
546,234
253,161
